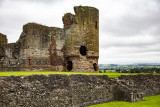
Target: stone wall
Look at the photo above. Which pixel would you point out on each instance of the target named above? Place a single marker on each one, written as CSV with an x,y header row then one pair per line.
x,y
38,48
148,85
74,90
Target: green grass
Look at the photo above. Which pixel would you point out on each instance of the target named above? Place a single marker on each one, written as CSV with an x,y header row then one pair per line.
x,y
22,73
151,101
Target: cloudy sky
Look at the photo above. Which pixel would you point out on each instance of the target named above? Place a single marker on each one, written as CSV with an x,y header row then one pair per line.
x,y
129,29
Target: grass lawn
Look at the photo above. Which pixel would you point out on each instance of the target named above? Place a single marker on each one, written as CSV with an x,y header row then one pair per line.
x,y
151,101
22,73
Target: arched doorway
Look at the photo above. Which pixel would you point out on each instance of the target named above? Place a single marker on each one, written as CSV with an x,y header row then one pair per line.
x,y
69,65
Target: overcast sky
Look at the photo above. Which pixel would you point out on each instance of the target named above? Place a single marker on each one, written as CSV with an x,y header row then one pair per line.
x,y
129,29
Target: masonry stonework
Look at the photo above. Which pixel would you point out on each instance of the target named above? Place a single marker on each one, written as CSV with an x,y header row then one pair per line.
x,y
73,48
74,90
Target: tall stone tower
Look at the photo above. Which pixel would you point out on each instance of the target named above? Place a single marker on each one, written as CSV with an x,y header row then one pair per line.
x,y
81,48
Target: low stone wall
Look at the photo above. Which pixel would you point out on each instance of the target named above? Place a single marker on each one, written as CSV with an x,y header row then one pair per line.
x,y
74,90
147,84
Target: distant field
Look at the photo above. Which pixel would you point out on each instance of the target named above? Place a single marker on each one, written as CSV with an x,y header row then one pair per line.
x,y
108,71
22,73
151,101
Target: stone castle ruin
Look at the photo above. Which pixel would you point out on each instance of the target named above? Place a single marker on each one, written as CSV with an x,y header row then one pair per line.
x,y
72,48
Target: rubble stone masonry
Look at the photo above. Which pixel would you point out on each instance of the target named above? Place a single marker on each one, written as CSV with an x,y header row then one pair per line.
x,y
74,90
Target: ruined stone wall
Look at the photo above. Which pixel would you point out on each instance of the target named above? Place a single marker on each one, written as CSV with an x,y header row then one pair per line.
x,y
149,85
10,61
34,42
37,49
74,90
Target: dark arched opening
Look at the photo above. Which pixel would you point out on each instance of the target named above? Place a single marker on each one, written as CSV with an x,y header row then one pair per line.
x,y
69,65
83,50
95,67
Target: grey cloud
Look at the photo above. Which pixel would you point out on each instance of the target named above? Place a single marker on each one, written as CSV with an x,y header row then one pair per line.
x,y
123,44
128,41
153,48
11,30
1,2
48,2
14,14
130,26
134,21
135,32
129,58
132,37
124,50
41,1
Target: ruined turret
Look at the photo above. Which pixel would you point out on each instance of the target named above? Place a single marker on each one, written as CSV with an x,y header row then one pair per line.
x,y
82,39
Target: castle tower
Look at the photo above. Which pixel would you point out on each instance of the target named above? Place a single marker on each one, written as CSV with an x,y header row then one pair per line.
x,y
82,39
